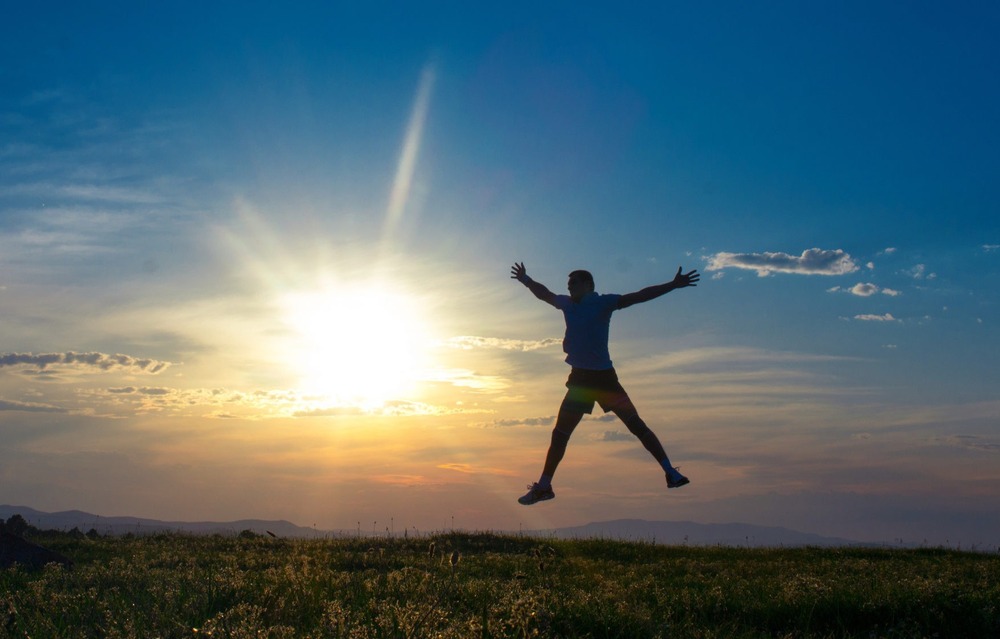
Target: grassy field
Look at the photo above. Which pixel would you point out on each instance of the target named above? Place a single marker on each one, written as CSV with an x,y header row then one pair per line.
x,y
487,585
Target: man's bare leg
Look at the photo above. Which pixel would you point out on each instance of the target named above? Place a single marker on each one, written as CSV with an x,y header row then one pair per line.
x,y
630,416
566,423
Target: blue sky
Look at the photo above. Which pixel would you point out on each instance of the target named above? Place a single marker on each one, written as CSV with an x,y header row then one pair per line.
x,y
254,261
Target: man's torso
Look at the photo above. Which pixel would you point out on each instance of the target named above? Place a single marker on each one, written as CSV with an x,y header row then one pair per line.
x,y
587,328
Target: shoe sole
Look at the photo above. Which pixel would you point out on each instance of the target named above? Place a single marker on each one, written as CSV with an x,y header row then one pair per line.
x,y
678,484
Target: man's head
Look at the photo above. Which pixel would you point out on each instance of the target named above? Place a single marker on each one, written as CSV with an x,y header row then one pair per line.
x,y
580,283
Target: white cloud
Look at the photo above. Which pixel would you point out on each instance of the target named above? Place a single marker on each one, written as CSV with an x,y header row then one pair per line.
x,y
813,261
919,272
864,290
887,317
989,248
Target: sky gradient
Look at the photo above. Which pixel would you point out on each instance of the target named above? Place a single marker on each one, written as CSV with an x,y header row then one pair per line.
x,y
254,262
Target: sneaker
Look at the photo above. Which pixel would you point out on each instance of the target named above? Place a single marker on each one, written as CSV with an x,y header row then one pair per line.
x,y
536,494
677,480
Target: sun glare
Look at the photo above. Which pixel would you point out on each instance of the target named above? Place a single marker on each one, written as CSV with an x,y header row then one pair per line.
x,y
358,346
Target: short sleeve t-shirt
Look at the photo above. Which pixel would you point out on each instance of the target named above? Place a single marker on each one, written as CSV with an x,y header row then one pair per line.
x,y
587,326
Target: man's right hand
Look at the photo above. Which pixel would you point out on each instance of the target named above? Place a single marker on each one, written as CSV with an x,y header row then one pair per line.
x,y
518,272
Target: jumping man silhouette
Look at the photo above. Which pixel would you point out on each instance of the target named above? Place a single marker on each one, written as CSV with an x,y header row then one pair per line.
x,y
592,377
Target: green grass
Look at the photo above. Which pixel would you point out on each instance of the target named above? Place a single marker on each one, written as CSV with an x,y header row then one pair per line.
x,y
503,586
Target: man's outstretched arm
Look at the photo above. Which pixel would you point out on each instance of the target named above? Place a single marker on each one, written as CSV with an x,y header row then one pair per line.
x,y
519,273
681,280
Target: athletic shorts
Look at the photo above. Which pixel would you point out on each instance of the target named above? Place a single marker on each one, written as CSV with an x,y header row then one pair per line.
x,y
589,386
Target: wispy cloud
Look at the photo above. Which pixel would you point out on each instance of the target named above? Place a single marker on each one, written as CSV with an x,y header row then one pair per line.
x,y
887,317
259,404
145,390
404,480
813,261
83,193
397,408
519,421
615,436
973,442
98,361
84,187
919,272
158,399
469,469
469,342
29,407
726,358
539,421
462,378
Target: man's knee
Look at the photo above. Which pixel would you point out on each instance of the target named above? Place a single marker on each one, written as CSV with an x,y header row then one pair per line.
x,y
560,438
567,421
634,423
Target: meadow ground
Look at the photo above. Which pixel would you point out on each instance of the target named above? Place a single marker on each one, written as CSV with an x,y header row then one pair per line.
x,y
492,585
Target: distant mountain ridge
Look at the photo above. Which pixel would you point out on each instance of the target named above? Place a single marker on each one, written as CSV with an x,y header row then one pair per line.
x,y
69,519
661,532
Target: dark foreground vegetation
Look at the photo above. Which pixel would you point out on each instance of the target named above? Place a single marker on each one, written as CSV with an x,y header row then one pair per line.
x,y
488,585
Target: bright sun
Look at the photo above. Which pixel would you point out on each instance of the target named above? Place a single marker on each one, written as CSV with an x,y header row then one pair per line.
x,y
358,345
